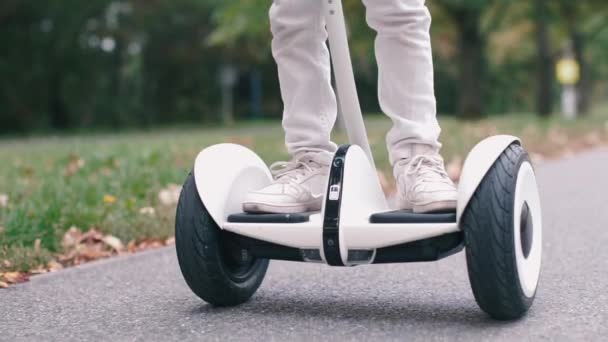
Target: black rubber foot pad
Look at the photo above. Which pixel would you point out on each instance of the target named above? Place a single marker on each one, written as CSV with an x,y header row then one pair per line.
x,y
268,218
404,216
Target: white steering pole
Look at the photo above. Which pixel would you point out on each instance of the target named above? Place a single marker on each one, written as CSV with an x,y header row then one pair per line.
x,y
345,79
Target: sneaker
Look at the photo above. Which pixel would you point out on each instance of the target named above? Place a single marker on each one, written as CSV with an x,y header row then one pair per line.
x,y
424,185
298,186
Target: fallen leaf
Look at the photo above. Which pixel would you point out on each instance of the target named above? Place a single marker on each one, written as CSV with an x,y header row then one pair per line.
x,y
113,242
170,195
92,236
147,211
7,263
109,199
91,252
149,244
170,241
71,237
131,246
74,165
54,265
3,200
3,285
39,270
13,277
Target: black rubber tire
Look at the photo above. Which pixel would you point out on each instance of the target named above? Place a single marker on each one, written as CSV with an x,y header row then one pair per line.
x,y
214,267
489,239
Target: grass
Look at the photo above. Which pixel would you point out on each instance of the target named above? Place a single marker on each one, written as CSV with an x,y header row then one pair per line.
x,y
103,180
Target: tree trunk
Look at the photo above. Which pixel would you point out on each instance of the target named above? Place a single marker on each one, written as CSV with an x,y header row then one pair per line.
x,y
584,84
544,67
58,113
472,64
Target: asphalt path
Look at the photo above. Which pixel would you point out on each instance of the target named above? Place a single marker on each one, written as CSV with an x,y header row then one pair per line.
x,y
144,298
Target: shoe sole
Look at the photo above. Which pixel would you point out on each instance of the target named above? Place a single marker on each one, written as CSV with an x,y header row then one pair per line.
x,y
315,206
279,209
434,207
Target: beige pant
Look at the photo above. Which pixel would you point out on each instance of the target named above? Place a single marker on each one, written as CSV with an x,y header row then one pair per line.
x,y
405,66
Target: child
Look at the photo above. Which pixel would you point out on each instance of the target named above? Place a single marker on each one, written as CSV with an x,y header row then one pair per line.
x,y
406,95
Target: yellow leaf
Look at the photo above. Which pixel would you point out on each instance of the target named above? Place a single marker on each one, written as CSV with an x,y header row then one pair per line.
x,y
109,199
3,285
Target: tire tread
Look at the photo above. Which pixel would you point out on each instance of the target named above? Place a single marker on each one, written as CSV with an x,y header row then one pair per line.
x,y
488,226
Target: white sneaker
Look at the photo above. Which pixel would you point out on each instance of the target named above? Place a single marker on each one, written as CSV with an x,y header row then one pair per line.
x,y
424,185
298,187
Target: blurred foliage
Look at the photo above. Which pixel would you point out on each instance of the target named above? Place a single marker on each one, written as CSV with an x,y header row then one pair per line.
x,y
74,64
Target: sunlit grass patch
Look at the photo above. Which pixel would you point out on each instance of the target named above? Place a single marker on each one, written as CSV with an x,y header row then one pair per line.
x,y
113,182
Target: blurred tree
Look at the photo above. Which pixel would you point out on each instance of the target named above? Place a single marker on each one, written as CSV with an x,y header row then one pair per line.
x,y
114,63
584,21
544,61
473,21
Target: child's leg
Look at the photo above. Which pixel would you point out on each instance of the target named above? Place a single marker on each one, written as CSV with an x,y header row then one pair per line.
x,y
405,67
302,57
406,94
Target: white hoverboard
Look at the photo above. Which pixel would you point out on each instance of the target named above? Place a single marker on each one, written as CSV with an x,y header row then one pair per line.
x,y
224,253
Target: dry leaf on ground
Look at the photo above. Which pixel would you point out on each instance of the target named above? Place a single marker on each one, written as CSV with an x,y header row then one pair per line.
x,y
92,245
169,195
3,285
147,211
71,237
54,266
74,165
132,246
13,277
3,200
113,242
39,270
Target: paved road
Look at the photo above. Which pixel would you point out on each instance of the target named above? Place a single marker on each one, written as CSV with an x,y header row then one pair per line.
x,y
143,297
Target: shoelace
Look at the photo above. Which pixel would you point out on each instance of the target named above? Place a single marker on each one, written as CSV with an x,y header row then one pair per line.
x,y
289,172
427,167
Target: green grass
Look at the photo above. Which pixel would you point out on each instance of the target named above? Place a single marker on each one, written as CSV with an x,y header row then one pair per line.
x,y
46,198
